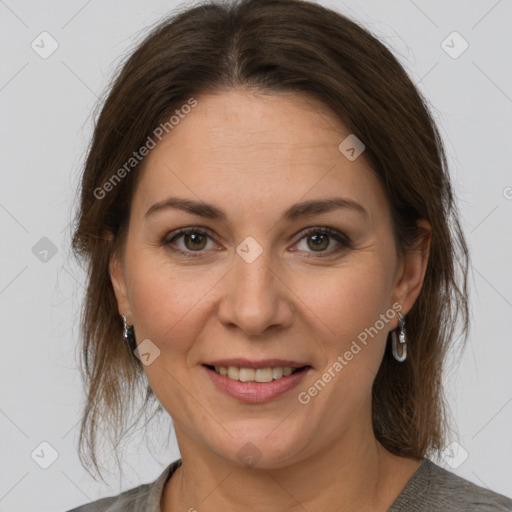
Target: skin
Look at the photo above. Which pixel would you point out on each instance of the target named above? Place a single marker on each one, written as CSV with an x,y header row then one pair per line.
x,y
254,156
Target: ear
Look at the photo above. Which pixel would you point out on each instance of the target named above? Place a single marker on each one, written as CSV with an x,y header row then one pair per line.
x,y
117,276
411,271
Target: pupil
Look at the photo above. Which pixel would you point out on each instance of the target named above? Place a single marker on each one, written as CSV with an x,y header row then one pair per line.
x,y
193,237
319,241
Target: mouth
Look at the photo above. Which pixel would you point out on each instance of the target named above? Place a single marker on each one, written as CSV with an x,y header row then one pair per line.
x,y
261,375
255,382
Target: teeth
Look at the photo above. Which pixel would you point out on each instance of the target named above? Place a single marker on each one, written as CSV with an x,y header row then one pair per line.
x,y
277,373
234,373
263,375
247,374
252,375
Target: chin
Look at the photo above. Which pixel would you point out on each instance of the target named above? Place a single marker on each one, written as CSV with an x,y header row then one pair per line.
x,y
261,448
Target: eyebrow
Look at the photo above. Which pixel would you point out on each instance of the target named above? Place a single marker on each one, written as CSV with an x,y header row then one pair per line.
x,y
303,209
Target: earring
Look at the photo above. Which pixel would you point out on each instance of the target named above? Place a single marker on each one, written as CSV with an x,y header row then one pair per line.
x,y
129,334
401,337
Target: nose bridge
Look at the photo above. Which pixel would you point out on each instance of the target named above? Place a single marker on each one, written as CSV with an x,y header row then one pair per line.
x,y
254,298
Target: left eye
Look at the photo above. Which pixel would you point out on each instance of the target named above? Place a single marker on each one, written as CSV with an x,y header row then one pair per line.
x,y
318,240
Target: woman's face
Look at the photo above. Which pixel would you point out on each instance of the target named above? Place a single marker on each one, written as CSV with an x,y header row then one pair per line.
x,y
262,285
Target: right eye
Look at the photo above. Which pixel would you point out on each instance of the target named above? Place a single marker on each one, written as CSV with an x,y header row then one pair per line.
x,y
193,240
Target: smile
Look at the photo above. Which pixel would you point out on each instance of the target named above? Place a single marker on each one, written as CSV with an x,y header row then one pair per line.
x,y
255,375
256,385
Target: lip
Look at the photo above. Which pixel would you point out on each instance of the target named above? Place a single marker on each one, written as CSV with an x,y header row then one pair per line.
x,y
256,392
263,363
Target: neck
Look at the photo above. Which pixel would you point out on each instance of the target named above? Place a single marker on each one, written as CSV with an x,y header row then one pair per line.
x,y
354,474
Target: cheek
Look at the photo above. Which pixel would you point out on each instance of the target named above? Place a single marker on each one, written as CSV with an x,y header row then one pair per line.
x,y
346,311
168,304
346,301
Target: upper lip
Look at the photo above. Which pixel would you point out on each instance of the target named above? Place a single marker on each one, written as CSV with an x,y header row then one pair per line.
x,y
262,363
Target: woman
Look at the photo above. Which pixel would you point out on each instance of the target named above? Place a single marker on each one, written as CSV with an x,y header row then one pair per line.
x,y
272,242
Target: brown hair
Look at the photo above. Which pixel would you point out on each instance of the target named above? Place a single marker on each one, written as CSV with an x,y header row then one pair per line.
x,y
278,46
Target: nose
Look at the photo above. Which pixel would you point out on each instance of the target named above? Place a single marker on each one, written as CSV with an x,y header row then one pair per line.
x,y
255,297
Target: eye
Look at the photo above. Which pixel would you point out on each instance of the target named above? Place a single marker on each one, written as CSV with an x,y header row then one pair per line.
x,y
321,240
191,242
194,240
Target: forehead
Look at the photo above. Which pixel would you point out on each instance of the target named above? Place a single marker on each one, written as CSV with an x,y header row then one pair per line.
x,y
251,151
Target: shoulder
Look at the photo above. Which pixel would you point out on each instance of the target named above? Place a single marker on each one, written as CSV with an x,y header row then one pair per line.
x,y
460,493
127,501
433,488
143,498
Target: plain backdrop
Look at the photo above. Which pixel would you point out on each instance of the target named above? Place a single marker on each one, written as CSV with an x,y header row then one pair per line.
x,y
46,119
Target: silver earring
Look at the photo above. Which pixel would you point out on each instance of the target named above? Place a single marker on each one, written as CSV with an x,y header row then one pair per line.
x,y
129,334
401,337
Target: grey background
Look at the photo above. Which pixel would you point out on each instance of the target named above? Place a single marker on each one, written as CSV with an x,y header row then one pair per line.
x,y
47,106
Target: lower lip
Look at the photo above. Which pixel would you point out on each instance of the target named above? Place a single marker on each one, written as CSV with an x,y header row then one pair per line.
x,y
256,392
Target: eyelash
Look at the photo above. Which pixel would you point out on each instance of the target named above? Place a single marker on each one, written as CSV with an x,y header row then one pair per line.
x,y
342,239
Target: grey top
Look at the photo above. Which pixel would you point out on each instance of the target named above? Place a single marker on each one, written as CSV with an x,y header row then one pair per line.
x,y
430,489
